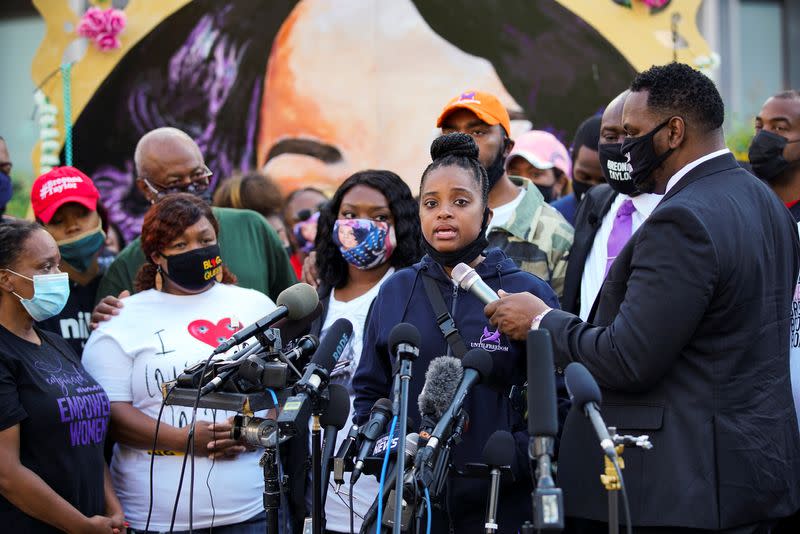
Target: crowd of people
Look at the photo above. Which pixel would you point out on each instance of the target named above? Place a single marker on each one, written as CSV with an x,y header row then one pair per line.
x,y
652,256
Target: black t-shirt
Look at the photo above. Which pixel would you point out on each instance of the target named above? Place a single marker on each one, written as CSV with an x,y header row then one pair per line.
x,y
73,322
63,415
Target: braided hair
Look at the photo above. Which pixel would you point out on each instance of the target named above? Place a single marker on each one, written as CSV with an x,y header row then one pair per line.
x,y
460,150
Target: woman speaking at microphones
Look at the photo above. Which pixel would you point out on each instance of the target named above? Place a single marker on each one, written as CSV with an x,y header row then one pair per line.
x,y
454,214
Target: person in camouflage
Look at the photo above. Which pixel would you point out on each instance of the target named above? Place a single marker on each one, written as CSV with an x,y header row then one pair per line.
x,y
524,226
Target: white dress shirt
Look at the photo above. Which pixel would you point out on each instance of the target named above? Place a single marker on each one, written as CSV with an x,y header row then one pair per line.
x,y
594,271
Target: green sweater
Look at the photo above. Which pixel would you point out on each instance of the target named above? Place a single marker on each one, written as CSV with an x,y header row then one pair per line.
x,y
249,246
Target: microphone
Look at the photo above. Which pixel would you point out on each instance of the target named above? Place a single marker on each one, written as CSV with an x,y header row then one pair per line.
x,y
585,394
294,302
477,366
441,381
466,277
332,420
296,409
381,414
548,504
498,452
305,346
346,451
292,329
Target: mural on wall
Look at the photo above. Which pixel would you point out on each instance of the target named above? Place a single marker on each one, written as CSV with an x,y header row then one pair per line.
x,y
314,90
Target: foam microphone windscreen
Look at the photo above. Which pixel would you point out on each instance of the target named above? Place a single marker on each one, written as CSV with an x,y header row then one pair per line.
x,y
480,361
403,333
338,407
291,329
299,299
581,385
542,403
500,449
441,381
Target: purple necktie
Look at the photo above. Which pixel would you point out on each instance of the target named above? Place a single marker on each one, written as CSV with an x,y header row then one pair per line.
x,y
620,231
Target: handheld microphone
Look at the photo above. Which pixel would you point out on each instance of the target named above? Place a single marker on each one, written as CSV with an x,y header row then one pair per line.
x,y
469,280
477,364
297,409
498,452
441,381
371,431
294,302
548,503
585,394
332,420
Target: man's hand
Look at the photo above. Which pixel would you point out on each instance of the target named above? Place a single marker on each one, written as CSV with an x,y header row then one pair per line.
x,y
514,312
310,272
107,308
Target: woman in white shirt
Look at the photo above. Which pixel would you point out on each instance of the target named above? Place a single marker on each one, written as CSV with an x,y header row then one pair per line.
x,y
185,305
368,229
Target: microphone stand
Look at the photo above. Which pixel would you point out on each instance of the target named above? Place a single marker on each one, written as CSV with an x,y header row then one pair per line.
x,y
272,485
548,502
319,400
610,478
407,354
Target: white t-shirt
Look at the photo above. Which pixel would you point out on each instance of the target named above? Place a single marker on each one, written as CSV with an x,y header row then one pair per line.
x,y
594,271
502,214
155,336
337,513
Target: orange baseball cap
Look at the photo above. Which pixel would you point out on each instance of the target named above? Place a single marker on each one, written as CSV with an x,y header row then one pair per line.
x,y
486,106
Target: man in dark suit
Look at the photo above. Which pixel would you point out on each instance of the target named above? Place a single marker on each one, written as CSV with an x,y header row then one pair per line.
x,y
688,337
607,217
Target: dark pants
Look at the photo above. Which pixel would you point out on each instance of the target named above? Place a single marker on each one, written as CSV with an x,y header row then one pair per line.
x,y
586,526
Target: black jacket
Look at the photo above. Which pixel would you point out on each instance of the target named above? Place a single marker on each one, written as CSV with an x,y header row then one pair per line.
x,y
593,207
692,348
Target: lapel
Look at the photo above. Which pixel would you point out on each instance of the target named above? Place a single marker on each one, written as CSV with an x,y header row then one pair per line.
x,y
584,236
720,163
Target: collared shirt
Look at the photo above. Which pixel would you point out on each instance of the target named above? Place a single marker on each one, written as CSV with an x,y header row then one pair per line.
x,y
594,271
689,166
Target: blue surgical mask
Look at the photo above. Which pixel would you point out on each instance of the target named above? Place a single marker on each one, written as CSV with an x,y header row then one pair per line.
x,y
50,295
80,251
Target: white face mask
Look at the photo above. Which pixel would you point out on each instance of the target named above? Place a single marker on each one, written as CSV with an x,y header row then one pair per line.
x,y
50,295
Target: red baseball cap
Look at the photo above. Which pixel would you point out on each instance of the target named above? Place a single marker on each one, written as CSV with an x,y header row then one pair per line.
x,y
53,189
485,105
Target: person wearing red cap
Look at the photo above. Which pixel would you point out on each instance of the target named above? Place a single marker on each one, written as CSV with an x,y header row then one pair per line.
x,y
524,226
65,202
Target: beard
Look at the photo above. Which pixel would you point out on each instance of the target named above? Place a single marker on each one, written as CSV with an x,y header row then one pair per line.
x,y
497,168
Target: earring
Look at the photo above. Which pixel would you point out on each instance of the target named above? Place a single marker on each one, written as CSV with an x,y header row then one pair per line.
x,y
219,276
159,281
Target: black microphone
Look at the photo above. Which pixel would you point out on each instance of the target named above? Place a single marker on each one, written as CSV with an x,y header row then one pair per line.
x,y
345,453
297,408
585,394
380,415
477,366
548,503
291,329
442,378
469,280
332,420
294,302
498,452
305,346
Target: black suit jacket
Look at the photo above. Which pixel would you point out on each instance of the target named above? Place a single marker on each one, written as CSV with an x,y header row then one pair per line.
x,y
593,207
692,347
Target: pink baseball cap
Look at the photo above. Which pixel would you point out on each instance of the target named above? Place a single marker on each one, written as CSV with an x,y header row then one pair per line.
x,y
542,150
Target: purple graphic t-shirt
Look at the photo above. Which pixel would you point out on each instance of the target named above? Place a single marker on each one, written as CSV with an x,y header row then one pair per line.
x,y
63,415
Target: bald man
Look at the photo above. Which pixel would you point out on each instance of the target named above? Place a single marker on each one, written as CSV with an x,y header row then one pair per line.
x,y
603,205
168,161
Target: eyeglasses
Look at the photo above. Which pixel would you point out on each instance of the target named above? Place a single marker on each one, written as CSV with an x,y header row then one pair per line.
x,y
199,180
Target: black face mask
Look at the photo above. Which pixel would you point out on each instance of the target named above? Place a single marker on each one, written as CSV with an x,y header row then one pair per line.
x,y
766,155
615,168
465,255
546,191
196,269
497,168
580,188
643,160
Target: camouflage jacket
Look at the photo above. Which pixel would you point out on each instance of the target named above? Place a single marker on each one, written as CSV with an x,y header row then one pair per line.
x,y
536,237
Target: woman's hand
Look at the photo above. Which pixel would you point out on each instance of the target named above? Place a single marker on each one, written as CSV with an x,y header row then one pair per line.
x,y
214,440
97,524
310,273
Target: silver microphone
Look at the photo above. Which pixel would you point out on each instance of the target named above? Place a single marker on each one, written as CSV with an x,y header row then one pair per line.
x,y
466,277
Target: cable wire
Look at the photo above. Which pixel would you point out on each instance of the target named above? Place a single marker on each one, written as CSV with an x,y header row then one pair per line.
x,y
429,510
384,468
153,457
625,504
